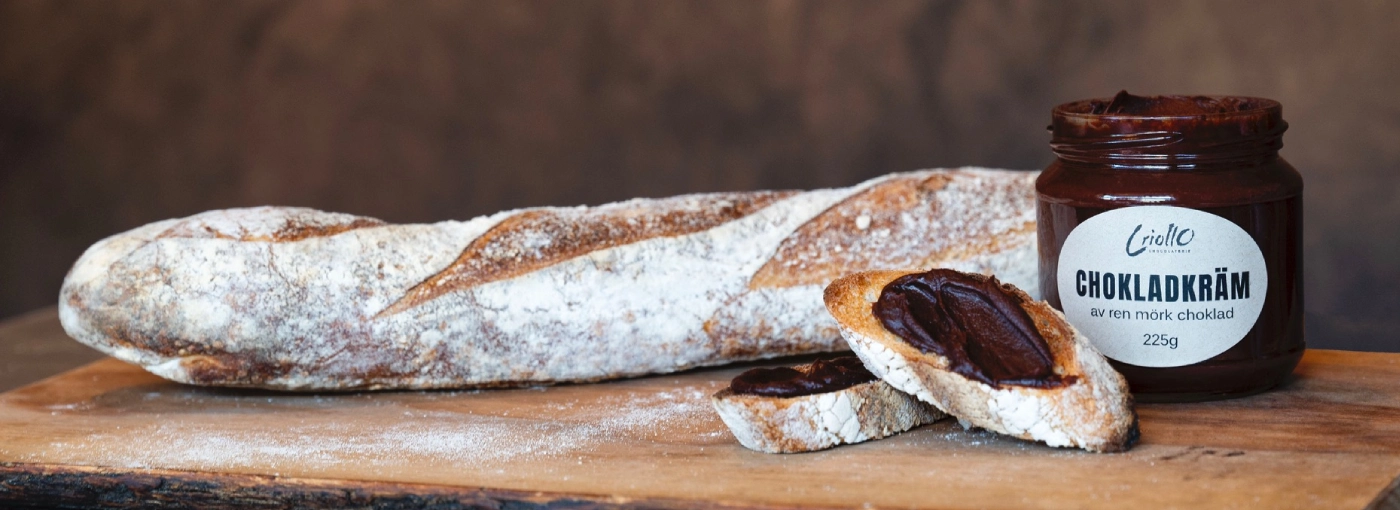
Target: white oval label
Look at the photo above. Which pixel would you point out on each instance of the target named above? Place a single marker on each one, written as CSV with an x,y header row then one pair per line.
x,y
1160,286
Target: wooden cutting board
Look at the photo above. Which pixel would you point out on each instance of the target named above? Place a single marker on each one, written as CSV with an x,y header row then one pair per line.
x,y
111,434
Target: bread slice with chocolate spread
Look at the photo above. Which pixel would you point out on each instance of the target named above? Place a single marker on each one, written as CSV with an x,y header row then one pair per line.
x,y
816,406
986,353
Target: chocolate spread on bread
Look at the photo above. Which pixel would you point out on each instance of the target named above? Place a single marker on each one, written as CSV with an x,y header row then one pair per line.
x,y
972,321
823,376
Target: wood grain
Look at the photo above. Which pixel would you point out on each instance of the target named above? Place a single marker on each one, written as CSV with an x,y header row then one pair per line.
x,y
109,430
89,487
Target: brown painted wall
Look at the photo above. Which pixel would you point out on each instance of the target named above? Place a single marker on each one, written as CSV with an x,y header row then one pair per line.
x,y
114,114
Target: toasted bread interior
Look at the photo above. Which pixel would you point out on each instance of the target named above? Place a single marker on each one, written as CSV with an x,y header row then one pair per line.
x,y
1093,410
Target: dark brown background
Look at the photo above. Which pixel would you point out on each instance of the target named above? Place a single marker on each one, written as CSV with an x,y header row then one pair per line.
x,y
114,114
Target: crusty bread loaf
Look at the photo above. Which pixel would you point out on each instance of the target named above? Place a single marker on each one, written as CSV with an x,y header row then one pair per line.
x,y
866,411
300,299
1094,411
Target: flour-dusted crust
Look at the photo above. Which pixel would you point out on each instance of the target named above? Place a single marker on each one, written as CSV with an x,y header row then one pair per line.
x,y
299,299
816,422
1095,412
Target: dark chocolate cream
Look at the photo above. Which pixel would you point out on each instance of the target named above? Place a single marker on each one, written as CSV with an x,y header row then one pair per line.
x,y
1168,106
974,323
824,376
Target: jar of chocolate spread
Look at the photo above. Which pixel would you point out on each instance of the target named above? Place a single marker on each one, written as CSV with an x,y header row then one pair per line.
x,y
1171,235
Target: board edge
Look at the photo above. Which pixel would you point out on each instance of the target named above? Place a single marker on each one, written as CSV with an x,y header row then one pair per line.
x,y
74,486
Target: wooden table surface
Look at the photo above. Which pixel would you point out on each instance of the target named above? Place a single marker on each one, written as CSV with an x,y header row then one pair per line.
x,y
33,346
109,434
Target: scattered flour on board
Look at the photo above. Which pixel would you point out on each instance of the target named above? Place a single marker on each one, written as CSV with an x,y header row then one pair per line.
x,y
433,437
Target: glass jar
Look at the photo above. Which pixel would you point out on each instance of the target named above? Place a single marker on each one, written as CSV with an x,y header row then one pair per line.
x,y
1170,234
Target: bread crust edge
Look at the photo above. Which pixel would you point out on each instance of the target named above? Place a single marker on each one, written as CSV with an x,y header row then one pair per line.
x,y
1095,412
863,412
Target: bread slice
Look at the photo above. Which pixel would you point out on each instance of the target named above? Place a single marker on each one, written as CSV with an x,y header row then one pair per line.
x,y
1092,409
870,410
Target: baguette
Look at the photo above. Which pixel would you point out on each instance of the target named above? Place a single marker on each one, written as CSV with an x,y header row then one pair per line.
x,y
298,299
817,421
1088,406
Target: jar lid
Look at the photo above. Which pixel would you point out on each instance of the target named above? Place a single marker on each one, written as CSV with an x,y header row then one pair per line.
x,y
1167,130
